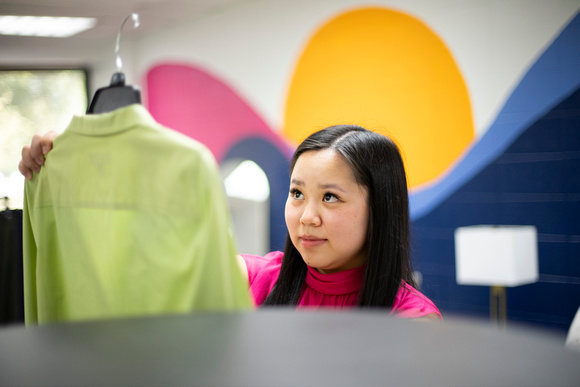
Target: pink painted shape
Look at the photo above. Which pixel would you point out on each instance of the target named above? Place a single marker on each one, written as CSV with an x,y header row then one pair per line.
x,y
197,104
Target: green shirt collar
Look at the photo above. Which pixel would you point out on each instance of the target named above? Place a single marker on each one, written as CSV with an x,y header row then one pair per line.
x,y
112,122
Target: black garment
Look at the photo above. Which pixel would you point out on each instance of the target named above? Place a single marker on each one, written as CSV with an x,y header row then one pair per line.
x,y
11,282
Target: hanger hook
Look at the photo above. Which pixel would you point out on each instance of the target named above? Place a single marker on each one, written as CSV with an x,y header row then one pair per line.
x,y
135,18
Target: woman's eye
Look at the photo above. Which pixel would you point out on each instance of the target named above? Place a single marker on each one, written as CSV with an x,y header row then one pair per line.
x,y
330,198
296,194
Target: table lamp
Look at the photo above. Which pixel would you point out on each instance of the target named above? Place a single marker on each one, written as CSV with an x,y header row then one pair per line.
x,y
496,256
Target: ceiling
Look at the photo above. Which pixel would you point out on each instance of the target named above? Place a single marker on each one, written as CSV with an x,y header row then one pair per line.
x,y
153,14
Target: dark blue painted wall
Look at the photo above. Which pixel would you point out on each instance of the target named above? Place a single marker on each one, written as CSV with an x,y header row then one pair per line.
x,y
536,181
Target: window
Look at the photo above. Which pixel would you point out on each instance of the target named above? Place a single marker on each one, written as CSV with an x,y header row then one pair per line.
x,y
31,102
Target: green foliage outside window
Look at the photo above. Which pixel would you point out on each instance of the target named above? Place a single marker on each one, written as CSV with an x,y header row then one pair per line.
x,y
31,102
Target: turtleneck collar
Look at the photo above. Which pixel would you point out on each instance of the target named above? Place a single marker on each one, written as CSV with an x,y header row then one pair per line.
x,y
342,282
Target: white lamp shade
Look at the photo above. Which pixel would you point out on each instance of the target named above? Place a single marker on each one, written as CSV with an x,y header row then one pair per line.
x,y
496,255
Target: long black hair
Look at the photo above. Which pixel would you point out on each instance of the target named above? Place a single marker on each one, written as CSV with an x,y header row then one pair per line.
x,y
377,165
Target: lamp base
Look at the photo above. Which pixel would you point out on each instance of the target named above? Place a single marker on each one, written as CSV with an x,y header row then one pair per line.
x,y
498,306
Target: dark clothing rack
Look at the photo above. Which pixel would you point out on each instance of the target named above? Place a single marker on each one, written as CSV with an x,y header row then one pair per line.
x,y
11,278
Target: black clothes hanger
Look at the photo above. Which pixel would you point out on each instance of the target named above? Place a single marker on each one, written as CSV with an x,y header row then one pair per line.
x,y
117,94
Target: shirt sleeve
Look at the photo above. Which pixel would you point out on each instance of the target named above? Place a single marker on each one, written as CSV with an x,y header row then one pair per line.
x,y
263,273
219,284
411,303
29,260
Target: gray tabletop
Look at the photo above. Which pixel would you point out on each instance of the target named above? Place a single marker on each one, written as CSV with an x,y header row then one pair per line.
x,y
282,348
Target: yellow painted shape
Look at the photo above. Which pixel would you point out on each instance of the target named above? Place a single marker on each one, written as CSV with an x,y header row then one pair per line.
x,y
389,72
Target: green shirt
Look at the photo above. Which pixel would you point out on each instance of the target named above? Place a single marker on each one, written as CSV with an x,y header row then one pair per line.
x,y
127,218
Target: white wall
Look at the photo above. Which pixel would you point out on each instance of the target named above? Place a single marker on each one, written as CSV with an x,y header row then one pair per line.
x,y
254,45
99,58
250,219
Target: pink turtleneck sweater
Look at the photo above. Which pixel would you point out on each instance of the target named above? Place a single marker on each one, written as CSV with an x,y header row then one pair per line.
x,y
336,290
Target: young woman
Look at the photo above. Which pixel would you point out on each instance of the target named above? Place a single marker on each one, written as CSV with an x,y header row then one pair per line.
x,y
347,215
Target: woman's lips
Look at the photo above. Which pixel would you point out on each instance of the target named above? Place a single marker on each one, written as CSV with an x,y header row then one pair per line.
x,y
309,241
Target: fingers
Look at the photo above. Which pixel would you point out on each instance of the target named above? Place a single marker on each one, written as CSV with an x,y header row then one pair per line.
x,y
36,150
33,154
27,163
46,142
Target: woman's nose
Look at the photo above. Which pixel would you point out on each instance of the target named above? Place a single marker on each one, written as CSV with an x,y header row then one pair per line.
x,y
310,216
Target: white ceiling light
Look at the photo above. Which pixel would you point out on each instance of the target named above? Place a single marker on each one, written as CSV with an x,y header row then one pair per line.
x,y
56,27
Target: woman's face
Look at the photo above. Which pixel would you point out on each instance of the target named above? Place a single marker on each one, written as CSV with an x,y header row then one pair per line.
x,y
327,212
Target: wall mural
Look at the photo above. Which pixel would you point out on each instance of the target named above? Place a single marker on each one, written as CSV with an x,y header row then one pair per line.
x,y
388,71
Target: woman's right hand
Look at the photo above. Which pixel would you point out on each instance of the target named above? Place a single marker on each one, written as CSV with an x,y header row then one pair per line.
x,y
33,154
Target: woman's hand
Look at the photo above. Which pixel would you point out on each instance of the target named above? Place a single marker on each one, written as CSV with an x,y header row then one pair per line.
x,y
33,154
